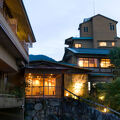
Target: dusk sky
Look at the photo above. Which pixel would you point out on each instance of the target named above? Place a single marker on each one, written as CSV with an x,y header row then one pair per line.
x,y
53,21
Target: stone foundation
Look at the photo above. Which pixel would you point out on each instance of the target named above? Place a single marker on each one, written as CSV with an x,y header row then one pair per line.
x,y
67,109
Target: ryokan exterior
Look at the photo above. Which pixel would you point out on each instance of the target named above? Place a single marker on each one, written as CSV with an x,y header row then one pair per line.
x,y
15,37
91,50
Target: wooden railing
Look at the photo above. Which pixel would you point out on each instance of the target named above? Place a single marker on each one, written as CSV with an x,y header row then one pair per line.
x,y
93,103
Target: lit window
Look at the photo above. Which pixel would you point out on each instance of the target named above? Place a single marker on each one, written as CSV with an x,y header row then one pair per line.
x,y
87,62
40,85
78,45
113,43
102,44
105,63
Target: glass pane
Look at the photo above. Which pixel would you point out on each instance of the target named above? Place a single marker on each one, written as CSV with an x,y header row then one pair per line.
x,y
28,91
46,92
35,91
51,90
80,62
85,62
91,62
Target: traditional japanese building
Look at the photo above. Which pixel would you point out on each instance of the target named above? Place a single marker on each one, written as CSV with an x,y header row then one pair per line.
x,y
48,78
91,50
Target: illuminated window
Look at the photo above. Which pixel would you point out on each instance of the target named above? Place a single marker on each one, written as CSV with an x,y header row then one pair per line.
x,y
102,44
105,63
113,43
87,62
78,45
39,85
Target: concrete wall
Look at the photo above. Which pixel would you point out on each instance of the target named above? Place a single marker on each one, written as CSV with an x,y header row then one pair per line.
x,y
7,61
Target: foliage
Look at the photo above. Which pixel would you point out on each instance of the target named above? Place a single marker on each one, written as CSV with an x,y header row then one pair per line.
x,y
115,57
115,61
113,94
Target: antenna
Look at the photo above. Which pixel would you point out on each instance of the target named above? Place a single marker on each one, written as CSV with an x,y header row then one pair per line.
x,y
93,7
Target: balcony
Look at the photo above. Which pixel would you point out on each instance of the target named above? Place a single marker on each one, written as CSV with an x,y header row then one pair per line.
x,y
101,70
21,46
10,101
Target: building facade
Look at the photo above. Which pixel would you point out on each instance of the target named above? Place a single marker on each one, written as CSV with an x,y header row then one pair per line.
x,y
98,35
16,36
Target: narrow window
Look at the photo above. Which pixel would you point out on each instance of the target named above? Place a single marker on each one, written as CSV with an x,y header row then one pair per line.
x,y
113,44
85,29
111,26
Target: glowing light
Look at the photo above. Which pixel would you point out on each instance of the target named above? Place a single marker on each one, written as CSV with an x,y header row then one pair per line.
x,y
67,94
80,63
101,97
36,83
78,87
105,110
30,74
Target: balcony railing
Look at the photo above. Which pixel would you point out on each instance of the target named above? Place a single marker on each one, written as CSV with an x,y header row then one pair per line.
x,y
20,45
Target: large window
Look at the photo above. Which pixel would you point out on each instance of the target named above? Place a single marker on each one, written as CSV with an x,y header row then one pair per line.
x,y
102,44
87,62
40,85
105,63
78,45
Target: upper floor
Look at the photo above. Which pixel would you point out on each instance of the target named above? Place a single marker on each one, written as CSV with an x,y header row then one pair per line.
x,y
16,35
96,32
15,25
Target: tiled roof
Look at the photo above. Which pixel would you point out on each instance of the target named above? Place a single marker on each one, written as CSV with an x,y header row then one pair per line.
x,y
81,38
89,51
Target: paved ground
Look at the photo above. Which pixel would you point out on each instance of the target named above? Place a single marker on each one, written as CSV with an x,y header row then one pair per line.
x,y
11,114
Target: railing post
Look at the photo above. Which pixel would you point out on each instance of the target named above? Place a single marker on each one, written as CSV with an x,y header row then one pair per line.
x,y
62,86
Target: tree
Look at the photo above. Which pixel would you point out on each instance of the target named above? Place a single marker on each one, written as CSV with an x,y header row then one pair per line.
x,y
115,60
112,97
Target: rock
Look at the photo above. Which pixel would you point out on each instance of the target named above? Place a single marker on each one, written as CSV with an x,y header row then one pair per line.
x,y
54,103
52,117
38,106
35,118
33,113
28,118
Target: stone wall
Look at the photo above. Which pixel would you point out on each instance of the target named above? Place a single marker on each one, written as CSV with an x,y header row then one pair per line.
x,y
66,109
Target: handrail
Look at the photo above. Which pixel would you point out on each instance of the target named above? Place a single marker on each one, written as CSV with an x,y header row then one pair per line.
x,y
89,101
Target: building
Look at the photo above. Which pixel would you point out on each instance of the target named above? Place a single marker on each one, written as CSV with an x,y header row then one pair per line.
x,y
91,50
16,36
48,78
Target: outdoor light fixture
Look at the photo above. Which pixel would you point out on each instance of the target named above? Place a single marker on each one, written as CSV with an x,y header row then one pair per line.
x,y
67,94
102,98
